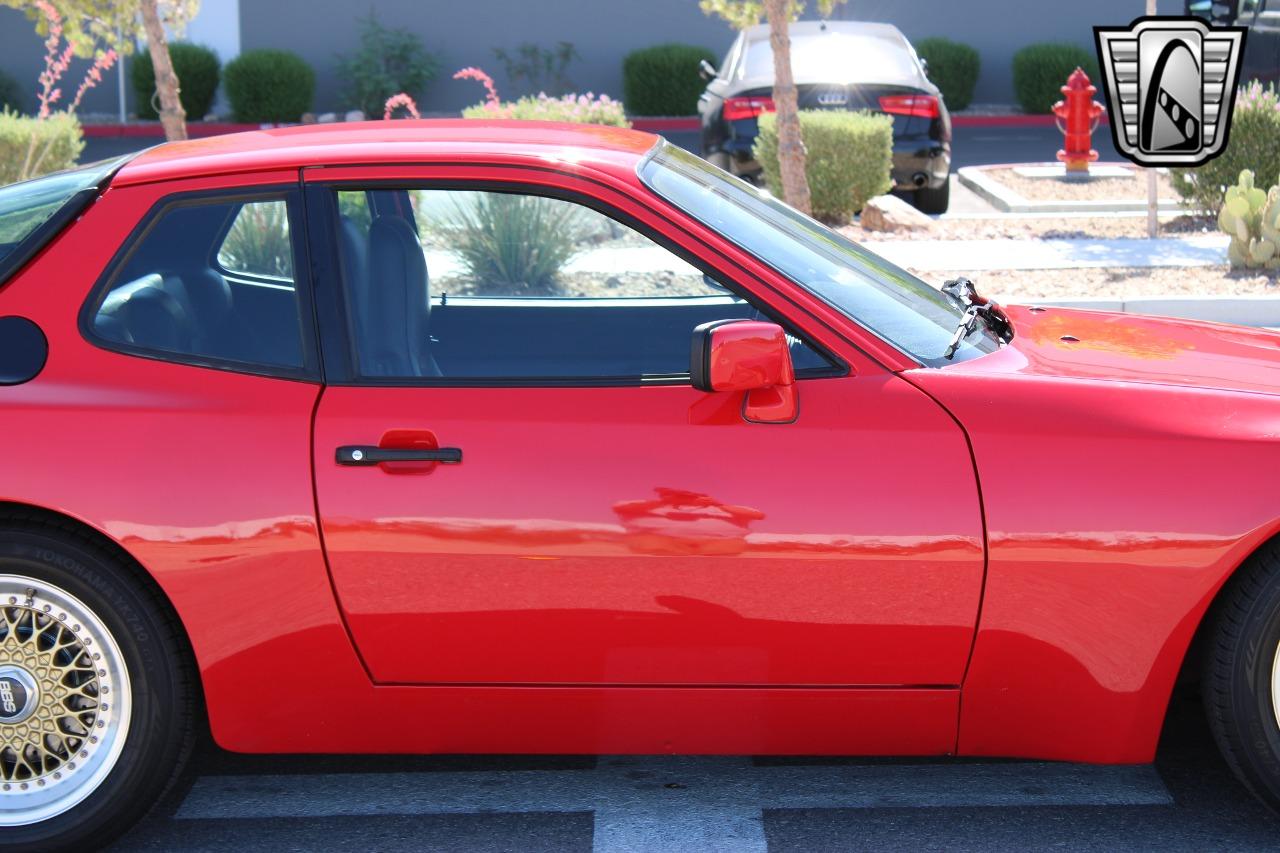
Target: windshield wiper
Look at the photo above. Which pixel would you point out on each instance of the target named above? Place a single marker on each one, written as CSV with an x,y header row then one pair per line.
x,y
975,308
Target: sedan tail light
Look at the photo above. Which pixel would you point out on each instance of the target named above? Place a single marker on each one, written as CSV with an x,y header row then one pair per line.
x,y
910,105
740,108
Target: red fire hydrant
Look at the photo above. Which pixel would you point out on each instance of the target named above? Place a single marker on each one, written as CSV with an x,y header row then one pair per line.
x,y
1081,115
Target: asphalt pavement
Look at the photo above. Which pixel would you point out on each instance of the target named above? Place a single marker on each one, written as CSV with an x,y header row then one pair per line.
x,y
1186,801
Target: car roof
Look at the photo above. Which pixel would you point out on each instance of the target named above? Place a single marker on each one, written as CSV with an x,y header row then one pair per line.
x,y
379,142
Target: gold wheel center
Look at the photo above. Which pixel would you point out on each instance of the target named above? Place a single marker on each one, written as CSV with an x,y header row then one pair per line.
x,y
49,679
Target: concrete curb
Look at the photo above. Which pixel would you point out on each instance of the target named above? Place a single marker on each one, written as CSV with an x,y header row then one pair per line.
x,y
1239,310
1004,199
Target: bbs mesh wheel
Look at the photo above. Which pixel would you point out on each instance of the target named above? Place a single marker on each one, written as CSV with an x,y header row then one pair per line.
x,y
96,691
64,701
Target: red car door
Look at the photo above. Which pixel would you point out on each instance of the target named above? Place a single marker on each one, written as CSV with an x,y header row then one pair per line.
x,y
590,517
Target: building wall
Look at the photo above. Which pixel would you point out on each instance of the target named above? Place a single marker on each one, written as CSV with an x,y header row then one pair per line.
x,y
465,32
999,28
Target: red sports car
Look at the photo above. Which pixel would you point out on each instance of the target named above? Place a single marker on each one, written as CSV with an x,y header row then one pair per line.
x,y
502,437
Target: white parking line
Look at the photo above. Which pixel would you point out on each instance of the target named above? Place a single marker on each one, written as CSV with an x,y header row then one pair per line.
x,y
675,803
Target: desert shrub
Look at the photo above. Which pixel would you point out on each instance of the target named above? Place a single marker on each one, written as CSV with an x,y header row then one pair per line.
x,y
198,72
1254,145
663,80
1041,70
389,61
10,94
953,67
258,242
58,143
269,86
514,244
586,109
849,159
539,69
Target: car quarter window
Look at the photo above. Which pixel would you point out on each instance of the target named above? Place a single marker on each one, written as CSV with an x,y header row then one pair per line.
x,y
208,280
461,284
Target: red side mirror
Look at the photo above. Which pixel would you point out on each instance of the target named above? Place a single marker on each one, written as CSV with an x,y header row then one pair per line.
x,y
748,356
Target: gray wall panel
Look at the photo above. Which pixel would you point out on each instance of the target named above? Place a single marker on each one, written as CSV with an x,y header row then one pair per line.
x,y
465,32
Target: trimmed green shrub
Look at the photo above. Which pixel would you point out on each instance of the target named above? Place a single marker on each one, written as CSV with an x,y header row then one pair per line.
x,y
1254,145
269,86
849,159
953,67
10,94
58,143
198,71
1041,70
584,109
389,61
663,80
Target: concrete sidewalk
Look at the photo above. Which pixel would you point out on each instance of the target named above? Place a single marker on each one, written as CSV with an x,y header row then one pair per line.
x,y
1199,250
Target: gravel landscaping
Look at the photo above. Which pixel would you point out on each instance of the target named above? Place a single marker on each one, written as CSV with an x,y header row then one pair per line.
x,y
1132,188
1019,286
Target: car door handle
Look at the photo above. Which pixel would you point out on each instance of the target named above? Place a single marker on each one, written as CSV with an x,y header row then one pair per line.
x,y
363,454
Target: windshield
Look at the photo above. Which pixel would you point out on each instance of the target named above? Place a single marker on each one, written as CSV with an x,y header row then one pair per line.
x,y
915,317
24,207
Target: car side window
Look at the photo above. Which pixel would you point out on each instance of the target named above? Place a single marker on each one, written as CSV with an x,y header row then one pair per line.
x,y
208,281
462,285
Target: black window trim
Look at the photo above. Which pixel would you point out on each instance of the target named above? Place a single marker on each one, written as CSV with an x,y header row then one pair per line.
x,y
340,359
310,371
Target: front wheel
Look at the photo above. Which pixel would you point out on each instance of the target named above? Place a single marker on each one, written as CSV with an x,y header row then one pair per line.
x,y
96,697
1241,682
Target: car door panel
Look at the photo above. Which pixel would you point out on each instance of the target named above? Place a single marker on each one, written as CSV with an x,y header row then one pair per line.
x,y
651,536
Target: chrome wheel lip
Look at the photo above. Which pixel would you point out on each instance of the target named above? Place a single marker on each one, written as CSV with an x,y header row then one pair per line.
x,y
1275,685
37,803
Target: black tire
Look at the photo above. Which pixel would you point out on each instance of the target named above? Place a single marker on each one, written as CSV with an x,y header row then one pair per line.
x,y
934,200
1238,669
161,731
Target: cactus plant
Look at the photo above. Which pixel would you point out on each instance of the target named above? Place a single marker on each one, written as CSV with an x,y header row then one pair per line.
x,y
1252,219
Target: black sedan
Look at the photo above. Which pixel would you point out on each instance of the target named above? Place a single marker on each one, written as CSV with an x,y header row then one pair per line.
x,y
838,65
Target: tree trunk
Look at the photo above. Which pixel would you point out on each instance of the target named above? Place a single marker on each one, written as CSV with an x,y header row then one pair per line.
x,y
795,185
172,116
